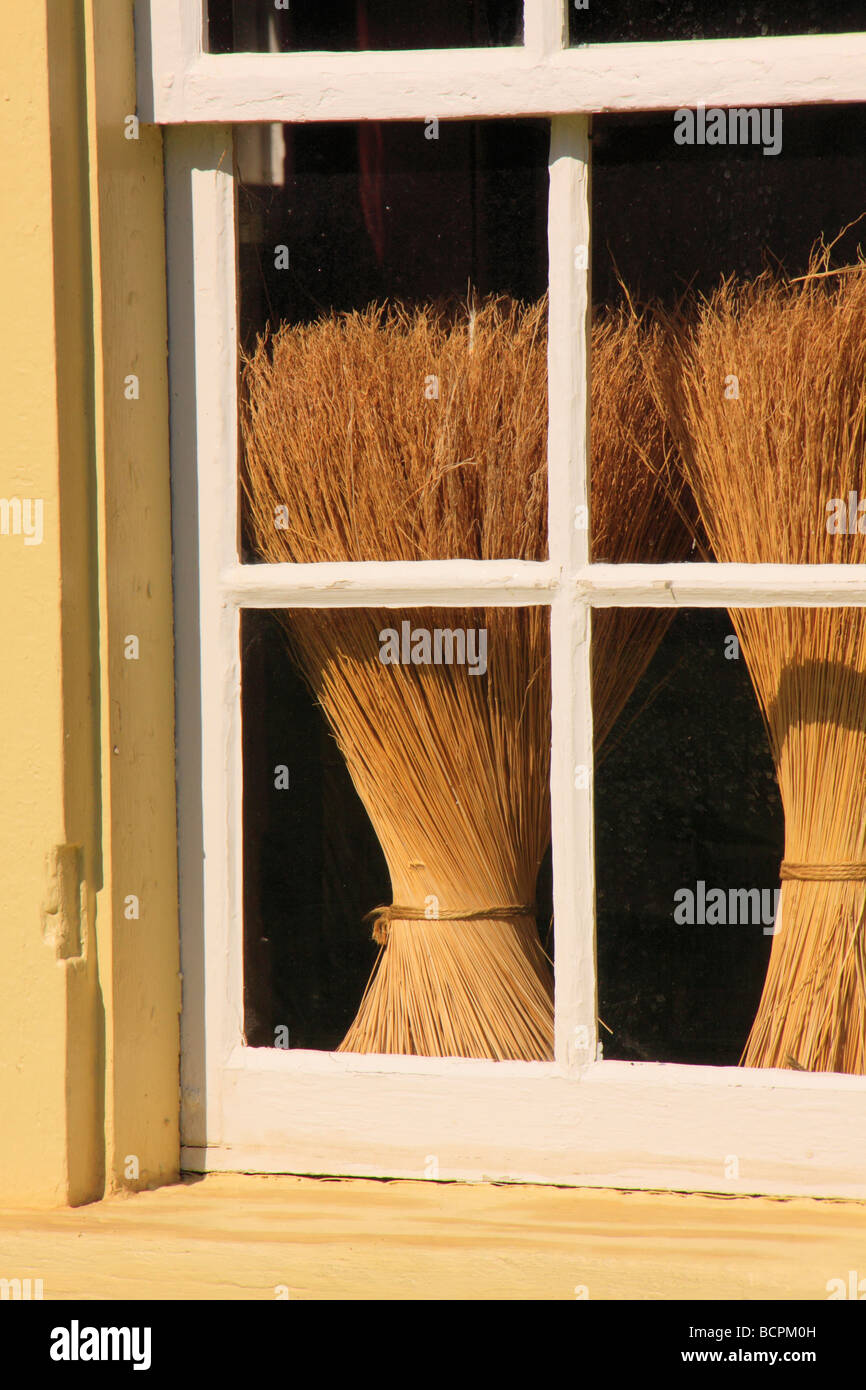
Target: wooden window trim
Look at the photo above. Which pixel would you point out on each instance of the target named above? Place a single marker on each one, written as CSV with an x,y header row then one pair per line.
x,y
575,1120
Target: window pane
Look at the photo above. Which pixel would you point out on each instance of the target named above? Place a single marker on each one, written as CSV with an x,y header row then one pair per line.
x,y
621,21
672,219
261,26
397,758
731,866
435,413
409,210
684,793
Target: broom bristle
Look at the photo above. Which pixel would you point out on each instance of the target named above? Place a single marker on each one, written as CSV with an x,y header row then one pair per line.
x,y
391,435
766,395
641,510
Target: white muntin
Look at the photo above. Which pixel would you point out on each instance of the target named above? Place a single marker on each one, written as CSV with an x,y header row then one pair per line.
x,y
419,646
736,125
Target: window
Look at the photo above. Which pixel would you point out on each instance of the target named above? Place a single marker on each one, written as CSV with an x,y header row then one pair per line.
x,y
577,1117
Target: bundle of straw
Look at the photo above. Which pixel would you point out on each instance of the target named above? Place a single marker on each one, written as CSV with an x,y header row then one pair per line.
x,y
412,435
641,511
766,456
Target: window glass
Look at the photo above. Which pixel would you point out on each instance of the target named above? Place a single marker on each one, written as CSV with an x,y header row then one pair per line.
x,y
729,815
621,21
674,214
685,794
256,26
438,395
397,760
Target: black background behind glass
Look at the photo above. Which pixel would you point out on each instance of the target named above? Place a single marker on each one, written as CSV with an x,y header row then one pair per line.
x,y
623,21
346,25
685,791
377,210
667,215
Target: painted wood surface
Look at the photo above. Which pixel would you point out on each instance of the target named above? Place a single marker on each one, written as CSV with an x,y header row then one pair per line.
x,y
138,946
568,365
609,1124
264,1238
179,83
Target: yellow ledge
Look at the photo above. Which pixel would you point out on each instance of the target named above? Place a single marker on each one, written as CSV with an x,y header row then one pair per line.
x,y
245,1237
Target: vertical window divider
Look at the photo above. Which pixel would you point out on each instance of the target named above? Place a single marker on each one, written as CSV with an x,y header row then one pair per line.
x,y
201,258
545,26
568,530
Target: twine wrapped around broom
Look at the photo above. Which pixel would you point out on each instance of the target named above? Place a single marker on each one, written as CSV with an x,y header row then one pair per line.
x,y
403,435
766,394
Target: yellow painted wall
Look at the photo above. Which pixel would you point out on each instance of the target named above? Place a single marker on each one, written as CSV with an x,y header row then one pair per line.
x,y
134,517
38,712
243,1237
89,1016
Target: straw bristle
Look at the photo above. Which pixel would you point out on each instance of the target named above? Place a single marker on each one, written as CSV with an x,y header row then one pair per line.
x,y
395,435
641,511
390,438
764,461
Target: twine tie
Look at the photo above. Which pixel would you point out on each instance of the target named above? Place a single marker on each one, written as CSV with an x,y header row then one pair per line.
x,y
823,873
385,914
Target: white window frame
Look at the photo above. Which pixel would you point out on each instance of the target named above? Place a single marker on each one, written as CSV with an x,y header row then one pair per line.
x,y
574,1120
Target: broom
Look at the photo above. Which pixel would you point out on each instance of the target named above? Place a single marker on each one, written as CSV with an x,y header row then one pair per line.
x,y
411,435
641,511
772,459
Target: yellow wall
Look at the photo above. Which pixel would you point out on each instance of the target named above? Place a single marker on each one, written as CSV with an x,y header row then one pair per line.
x,y
35,986
90,998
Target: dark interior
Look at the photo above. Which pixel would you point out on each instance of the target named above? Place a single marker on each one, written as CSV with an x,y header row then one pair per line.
x,y
235,26
622,21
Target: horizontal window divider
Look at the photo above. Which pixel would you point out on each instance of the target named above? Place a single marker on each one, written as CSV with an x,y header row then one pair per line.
x,y
319,1063
721,586
455,84
612,1071
392,584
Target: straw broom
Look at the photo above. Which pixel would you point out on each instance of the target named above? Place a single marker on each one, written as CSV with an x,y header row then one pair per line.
x,y
412,435
641,511
765,468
